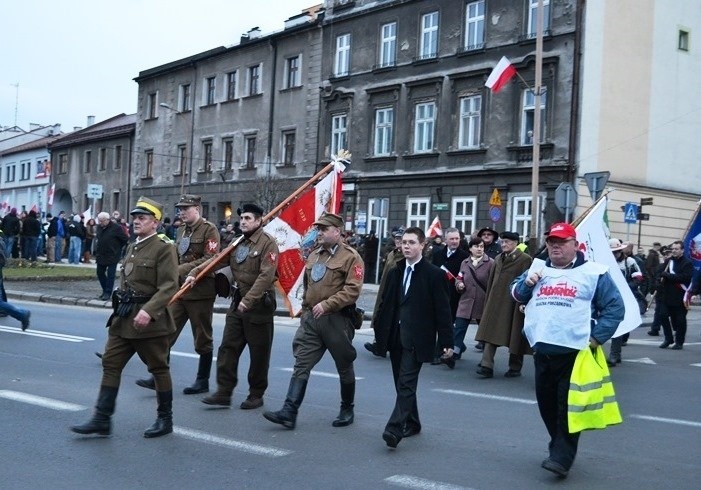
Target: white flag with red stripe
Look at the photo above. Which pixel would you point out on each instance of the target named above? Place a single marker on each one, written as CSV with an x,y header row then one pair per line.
x,y
50,196
295,235
435,229
501,74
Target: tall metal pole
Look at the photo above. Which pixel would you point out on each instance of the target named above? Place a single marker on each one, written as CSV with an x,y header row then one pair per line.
x,y
535,208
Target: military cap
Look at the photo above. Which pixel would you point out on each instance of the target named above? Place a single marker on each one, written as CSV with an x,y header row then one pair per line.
x,y
148,206
250,208
510,235
397,231
329,219
187,200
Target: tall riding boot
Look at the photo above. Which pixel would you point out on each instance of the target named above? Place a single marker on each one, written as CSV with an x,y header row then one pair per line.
x,y
164,423
201,384
345,416
101,421
149,383
287,416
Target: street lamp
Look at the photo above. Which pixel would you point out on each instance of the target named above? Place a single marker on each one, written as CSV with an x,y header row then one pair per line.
x,y
192,131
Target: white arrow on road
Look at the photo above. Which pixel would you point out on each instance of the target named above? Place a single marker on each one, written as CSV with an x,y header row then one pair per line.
x,y
45,335
643,360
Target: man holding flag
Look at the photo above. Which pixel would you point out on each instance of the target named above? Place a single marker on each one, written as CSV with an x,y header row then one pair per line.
x,y
674,282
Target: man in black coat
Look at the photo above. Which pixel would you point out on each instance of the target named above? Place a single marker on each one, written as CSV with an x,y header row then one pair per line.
x,y
676,275
110,240
414,308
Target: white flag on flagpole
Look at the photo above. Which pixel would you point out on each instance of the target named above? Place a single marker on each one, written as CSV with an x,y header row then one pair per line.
x,y
592,235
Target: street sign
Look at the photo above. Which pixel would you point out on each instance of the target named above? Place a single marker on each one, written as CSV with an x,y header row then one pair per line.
x,y
596,183
643,216
630,213
94,191
565,197
495,213
440,206
645,201
495,200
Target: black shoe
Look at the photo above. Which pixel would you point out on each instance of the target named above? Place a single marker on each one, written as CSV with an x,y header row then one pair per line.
x,y
391,439
99,354
653,333
448,361
677,347
512,373
199,386
148,383
161,427
25,321
555,467
410,430
485,372
372,347
479,346
665,344
436,361
99,424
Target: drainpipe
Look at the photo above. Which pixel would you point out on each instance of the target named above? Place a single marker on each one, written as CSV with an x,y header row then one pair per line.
x,y
574,105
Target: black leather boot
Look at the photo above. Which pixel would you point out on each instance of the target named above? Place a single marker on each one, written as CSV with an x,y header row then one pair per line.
x,y
345,416
148,383
201,384
287,416
164,423
101,421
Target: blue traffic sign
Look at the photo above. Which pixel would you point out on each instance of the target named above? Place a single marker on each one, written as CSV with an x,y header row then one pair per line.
x,y
495,213
630,213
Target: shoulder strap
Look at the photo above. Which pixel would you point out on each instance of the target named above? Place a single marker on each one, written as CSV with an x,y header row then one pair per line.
x,y
479,283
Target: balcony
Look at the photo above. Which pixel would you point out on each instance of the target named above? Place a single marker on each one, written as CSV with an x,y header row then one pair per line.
x,y
386,66
425,58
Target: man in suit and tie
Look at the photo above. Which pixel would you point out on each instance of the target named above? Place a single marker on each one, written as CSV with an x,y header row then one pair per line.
x,y
414,308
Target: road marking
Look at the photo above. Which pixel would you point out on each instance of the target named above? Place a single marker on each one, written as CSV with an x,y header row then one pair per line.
x,y
488,397
666,420
642,360
323,374
45,335
698,364
188,354
408,481
246,447
40,401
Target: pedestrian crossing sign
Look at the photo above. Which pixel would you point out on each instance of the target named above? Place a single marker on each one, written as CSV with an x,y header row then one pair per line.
x,y
630,213
495,200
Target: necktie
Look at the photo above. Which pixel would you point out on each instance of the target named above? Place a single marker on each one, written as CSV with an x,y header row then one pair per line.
x,y
407,280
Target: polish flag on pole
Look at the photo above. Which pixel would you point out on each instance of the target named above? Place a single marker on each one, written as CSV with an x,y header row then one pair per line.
x,y
50,197
501,74
435,229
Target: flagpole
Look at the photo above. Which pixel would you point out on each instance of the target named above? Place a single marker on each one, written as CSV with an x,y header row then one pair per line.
x,y
212,263
535,177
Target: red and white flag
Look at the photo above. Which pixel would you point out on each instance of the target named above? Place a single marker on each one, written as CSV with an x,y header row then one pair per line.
x,y
501,74
50,195
293,230
435,229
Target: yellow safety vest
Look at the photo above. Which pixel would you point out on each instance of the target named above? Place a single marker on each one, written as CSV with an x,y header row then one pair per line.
x,y
591,401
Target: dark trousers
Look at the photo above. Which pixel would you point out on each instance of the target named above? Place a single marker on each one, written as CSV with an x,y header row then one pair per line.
x,y
552,383
29,248
199,312
241,331
153,351
405,369
105,274
677,316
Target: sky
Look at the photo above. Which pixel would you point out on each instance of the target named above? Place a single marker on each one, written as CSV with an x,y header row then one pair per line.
x,y
75,58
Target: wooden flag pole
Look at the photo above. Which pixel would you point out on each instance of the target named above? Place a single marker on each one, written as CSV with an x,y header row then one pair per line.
x,y
212,263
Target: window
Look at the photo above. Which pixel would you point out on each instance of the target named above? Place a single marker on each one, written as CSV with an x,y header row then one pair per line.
x,y
231,85
683,40
115,200
429,36
292,76
102,161
339,126
532,19
10,173
417,212
149,164
207,151
151,108
423,129
470,117
254,80
388,45
210,88
228,154
384,121
63,163
474,25
118,157
464,214
288,147
185,103
520,210
25,170
182,160
87,162
250,152
527,116
342,60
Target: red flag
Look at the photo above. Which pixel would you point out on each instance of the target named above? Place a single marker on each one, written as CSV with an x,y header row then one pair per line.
x,y
435,229
501,74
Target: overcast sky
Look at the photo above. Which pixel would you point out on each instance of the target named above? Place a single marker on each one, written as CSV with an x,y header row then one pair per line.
x,y
74,58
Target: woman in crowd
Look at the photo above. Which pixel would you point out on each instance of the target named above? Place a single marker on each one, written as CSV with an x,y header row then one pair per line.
x,y
89,238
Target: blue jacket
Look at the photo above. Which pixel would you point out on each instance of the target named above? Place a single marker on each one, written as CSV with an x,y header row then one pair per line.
x,y
607,308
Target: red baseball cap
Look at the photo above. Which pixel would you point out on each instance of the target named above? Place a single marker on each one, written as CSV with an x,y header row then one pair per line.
x,y
562,230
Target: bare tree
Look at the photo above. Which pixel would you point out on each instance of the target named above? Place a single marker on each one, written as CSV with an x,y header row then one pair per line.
x,y
269,191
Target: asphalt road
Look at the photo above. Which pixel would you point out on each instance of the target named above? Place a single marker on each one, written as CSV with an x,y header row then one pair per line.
x,y
479,434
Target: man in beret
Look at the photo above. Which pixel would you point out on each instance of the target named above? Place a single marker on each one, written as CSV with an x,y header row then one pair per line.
x,y
333,279
141,323
502,321
197,240
249,320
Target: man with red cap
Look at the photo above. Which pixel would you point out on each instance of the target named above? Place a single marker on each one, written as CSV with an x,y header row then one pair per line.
x,y
571,304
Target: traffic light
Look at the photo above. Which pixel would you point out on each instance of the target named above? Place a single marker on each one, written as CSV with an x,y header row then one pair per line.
x,y
645,201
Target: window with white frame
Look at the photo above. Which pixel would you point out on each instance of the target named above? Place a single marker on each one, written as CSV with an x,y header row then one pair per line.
x,y
384,122
474,25
532,19
182,159
231,85
528,115
464,214
293,77
429,36
342,59
250,152
417,212
424,126
25,170
388,45
228,163
520,215
339,133
288,147
185,103
470,122
152,106
207,152
210,87
254,75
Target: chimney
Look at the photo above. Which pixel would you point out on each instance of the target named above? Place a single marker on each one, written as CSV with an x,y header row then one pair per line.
x,y
91,120
254,33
